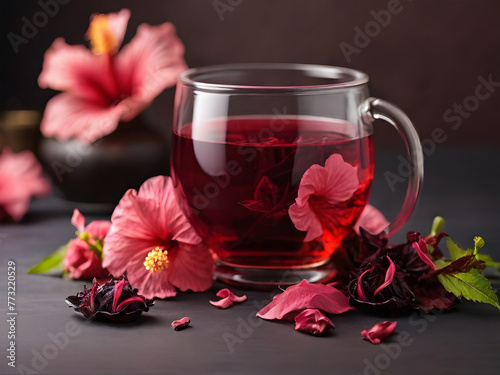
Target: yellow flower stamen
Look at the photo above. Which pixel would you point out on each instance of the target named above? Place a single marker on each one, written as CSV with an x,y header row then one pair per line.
x,y
156,260
101,38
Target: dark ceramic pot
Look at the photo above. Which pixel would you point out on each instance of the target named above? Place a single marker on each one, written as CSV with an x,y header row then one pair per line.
x,y
102,172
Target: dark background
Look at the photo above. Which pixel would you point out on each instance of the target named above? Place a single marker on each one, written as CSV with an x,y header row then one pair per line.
x,y
427,59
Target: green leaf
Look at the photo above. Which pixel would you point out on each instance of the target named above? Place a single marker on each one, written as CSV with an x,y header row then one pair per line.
x,y
456,251
51,264
471,285
488,261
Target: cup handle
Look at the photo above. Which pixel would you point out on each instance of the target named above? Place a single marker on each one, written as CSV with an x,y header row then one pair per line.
x,y
374,109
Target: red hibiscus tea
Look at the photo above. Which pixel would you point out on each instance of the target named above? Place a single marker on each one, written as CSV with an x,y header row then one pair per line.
x,y
237,178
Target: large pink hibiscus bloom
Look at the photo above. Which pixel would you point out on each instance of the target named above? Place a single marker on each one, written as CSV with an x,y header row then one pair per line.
x,y
151,240
20,179
320,189
103,87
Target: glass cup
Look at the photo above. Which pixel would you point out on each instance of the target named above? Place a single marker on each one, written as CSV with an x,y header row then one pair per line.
x,y
273,164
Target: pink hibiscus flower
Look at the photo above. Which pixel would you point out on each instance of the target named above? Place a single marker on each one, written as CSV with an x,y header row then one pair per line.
x,y
20,179
321,188
371,220
151,240
102,87
84,254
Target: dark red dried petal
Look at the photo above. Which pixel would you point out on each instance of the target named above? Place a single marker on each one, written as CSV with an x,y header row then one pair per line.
x,y
312,321
115,301
379,331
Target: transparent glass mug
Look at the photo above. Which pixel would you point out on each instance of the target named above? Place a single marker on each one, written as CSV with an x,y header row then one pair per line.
x,y
273,164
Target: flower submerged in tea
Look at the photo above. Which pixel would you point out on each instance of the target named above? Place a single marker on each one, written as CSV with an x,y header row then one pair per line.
x,y
320,190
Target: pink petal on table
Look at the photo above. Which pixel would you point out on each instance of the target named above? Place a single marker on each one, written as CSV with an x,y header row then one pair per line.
x,y
223,303
180,324
228,299
379,331
305,296
312,321
226,293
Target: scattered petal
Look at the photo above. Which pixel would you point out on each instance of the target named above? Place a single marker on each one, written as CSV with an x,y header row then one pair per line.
x,y
312,321
228,299
180,324
379,331
305,296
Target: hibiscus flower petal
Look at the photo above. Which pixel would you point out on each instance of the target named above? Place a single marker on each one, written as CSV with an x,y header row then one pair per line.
x,y
223,303
67,116
226,293
115,24
20,179
78,220
148,219
389,276
371,220
305,296
166,211
192,269
379,331
422,252
180,324
77,71
313,182
149,64
342,179
98,228
305,220
312,321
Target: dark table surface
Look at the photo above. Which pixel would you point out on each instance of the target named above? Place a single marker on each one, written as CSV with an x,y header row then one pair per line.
x,y
461,184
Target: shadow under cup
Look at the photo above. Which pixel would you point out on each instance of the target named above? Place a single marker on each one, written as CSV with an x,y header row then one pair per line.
x,y
273,164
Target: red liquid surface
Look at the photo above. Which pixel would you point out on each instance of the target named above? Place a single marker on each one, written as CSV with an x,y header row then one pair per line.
x,y
237,178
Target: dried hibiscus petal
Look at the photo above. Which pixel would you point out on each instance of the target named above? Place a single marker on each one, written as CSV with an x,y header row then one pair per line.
x,y
177,325
228,299
312,321
115,301
304,296
379,331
